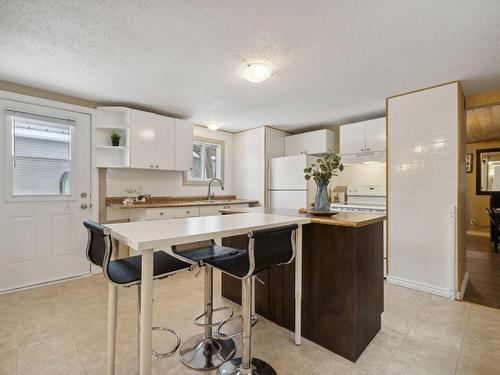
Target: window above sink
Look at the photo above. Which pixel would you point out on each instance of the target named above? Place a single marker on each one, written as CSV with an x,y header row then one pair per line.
x,y
208,162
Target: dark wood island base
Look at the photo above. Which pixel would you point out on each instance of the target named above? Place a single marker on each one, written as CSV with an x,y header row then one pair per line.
x,y
342,286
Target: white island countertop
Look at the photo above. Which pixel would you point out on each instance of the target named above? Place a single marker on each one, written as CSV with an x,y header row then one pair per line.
x,y
157,234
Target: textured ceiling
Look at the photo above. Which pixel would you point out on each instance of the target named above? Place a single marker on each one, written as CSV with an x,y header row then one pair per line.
x,y
334,61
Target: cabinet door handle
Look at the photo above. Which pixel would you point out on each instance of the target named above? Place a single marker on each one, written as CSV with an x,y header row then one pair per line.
x,y
188,211
161,213
367,149
156,166
151,166
362,149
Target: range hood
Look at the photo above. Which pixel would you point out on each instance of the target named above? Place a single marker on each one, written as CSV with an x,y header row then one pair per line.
x,y
364,157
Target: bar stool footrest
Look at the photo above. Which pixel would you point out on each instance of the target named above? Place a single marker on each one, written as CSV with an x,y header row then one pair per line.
x,y
223,336
176,346
214,324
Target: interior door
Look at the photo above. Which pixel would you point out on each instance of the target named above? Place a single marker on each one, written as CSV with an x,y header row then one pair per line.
x,y
45,193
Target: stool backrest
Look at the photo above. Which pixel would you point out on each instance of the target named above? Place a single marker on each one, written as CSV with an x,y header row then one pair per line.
x,y
272,246
99,246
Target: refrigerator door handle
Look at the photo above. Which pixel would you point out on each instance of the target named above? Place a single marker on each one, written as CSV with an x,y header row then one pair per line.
x,y
269,185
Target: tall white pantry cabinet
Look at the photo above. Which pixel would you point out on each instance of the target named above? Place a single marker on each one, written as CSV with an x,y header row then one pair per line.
x,y
426,189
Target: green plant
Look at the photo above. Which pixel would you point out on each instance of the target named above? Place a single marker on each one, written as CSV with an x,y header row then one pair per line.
x,y
324,169
115,138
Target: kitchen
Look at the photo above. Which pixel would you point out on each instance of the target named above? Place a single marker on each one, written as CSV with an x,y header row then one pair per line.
x,y
246,201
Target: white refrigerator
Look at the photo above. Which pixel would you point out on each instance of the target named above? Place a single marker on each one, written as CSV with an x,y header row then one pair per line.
x,y
287,186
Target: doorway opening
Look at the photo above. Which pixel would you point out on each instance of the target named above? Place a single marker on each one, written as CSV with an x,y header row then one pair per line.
x,y
482,201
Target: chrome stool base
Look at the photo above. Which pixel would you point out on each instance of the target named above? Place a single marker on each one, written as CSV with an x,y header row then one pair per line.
x,y
174,349
259,367
206,354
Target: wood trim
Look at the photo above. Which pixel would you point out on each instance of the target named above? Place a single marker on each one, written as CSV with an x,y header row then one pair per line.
x,y
482,99
427,88
44,94
460,248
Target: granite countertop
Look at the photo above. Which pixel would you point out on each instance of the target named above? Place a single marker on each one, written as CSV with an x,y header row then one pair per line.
x,y
154,202
345,219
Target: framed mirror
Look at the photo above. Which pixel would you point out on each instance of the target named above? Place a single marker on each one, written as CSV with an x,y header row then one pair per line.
x,y
488,171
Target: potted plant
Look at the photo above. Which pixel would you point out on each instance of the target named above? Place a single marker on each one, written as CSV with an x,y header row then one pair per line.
x,y
115,139
321,172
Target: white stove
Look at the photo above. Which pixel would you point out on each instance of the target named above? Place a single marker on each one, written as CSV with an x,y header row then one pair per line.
x,y
365,199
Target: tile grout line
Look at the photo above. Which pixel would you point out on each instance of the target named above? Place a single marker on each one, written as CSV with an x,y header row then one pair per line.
x,y
422,309
72,334
462,342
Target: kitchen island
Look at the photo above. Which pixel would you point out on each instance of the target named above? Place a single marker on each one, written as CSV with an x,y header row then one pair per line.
x,y
342,281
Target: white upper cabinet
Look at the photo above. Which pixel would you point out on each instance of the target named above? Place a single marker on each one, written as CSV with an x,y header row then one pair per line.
x,y
311,143
352,138
362,137
164,143
375,135
148,140
183,145
152,140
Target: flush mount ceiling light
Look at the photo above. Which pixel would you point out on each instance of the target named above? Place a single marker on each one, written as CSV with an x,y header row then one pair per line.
x,y
213,126
257,72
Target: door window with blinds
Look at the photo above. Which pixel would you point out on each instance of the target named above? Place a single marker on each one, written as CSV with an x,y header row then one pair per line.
x,y
40,155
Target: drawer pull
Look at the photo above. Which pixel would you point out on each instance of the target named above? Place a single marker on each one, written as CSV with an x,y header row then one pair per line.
x,y
188,211
161,213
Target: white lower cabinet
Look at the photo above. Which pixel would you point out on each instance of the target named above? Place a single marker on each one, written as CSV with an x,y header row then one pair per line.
x,y
188,211
160,213
210,210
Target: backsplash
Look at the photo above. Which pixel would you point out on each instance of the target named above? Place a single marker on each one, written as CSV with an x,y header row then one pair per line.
x,y
361,174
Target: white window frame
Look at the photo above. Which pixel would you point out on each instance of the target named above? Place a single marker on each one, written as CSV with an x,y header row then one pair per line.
x,y
201,181
9,163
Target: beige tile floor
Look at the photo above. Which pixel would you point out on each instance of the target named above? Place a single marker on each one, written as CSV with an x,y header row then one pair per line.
x,y
61,329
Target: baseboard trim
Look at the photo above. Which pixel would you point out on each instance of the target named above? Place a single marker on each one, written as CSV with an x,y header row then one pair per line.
x,y
44,283
477,233
465,282
422,287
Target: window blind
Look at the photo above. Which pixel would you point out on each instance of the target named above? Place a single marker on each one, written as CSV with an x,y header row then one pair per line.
x,y
41,154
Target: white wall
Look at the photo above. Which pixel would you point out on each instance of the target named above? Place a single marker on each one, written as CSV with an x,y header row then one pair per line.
x,y
162,183
361,174
422,188
249,157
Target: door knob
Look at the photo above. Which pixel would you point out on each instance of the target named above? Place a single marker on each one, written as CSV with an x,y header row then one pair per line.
x,y
83,195
83,206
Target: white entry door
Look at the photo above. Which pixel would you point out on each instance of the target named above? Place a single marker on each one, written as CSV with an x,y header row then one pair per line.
x,y
44,193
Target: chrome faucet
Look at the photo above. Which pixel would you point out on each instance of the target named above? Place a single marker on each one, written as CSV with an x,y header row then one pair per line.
x,y
210,195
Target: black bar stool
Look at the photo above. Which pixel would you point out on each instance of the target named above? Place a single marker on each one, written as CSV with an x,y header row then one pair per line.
x,y
266,247
126,272
206,351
